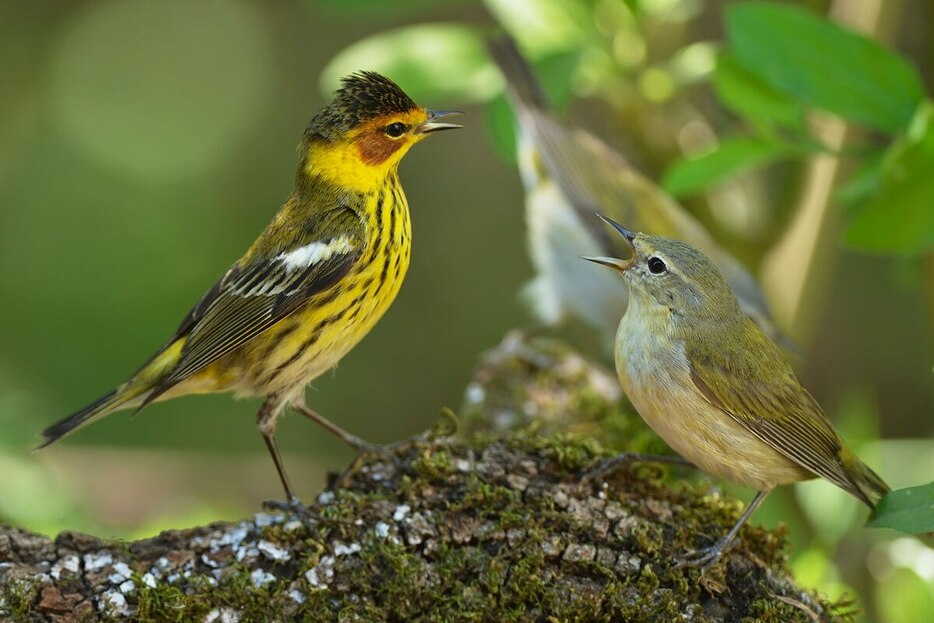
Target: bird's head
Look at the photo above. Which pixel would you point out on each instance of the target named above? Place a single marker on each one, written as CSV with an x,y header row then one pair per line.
x,y
666,274
361,136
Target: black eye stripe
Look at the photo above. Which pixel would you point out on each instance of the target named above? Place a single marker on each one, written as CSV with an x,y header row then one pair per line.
x,y
656,266
395,130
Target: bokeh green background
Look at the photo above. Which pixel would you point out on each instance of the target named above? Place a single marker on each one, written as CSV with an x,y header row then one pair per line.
x,y
143,145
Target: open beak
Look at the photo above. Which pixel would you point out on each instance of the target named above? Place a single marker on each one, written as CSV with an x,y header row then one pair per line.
x,y
432,123
612,262
625,233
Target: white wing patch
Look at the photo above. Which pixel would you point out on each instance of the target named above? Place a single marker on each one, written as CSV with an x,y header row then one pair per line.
x,y
314,252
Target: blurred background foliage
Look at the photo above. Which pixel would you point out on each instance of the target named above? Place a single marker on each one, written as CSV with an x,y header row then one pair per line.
x,y
144,144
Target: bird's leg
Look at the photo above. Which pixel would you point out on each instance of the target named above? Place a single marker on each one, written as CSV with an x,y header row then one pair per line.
x,y
350,439
706,557
608,466
266,423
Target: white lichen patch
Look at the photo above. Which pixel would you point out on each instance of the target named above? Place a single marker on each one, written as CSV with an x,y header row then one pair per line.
x,y
71,564
382,529
231,538
127,587
321,574
149,580
246,553
222,615
210,562
273,552
121,573
341,549
93,562
261,578
297,596
401,511
293,525
263,520
325,497
114,602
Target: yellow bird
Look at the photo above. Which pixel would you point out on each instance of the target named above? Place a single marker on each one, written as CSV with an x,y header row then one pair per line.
x,y
715,387
569,175
312,285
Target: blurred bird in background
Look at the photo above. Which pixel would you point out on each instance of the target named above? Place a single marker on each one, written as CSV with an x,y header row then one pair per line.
x,y
570,175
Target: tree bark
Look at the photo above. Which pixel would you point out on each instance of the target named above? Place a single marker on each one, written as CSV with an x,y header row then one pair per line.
x,y
500,527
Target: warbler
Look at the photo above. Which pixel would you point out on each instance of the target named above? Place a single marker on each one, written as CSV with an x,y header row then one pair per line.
x,y
715,387
568,174
312,285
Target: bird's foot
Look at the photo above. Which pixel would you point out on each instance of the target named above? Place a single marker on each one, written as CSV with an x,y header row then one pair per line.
x,y
439,434
607,466
705,558
294,507
366,450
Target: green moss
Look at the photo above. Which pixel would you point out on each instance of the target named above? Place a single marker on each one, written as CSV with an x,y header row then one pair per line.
x,y
473,532
165,602
197,597
19,596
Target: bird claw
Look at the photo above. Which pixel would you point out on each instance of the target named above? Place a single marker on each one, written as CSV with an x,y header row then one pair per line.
x,y
705,558
383,451
390,451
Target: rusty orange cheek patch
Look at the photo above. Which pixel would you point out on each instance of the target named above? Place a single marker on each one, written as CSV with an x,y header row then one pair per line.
x,y
375,149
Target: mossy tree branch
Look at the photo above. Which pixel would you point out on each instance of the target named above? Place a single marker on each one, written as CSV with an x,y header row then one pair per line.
x,y
500,528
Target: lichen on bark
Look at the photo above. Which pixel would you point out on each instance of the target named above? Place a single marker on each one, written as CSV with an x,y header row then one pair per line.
x,y
496,526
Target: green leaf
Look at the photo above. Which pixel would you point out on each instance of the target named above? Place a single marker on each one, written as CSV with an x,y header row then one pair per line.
x,y
824,65
901,221
552,71
899,217
688,176
863,184
545,26
501,127
748,95
438,62
909,510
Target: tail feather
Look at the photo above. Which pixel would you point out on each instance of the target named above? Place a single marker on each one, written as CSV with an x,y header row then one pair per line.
x,y
871,485
136,392
105,405
521,82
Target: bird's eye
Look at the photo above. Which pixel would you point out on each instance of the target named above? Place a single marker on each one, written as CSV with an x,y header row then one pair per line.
x,y
656,266
394,130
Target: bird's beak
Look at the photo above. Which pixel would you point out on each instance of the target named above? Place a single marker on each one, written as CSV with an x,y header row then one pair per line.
x,y
625,233
431,124
612,262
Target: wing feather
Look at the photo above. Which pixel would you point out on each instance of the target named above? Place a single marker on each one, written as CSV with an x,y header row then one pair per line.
x,y
773,407
259,292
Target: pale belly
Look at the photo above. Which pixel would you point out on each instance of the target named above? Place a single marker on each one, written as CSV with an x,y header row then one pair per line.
x,y
660,388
